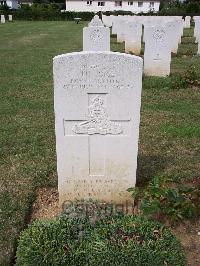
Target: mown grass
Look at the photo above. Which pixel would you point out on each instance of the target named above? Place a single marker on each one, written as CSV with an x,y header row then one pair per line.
x,y
169,133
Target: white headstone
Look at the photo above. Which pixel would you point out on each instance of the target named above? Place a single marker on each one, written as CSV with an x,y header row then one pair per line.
x,y
181,28
197,34
10,18
133,33
115,22
173,35
157,54
107,20
97,97
96,22
187,22
3,20
96,37
121,30
197,29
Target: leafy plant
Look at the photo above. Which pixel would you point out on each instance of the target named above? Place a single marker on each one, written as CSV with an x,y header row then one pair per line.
x,y
192,77
164,198
175,81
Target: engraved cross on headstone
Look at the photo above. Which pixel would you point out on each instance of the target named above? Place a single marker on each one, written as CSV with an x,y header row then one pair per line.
x,y
95,128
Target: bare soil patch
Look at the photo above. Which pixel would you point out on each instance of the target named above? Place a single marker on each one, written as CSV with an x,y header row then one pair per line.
x,y
189,235
46,204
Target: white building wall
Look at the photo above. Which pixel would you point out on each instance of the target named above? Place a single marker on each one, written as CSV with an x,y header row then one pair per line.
x,y
82,6
12,4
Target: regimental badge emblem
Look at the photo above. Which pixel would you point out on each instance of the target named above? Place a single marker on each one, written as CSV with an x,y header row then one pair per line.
x,y
98,121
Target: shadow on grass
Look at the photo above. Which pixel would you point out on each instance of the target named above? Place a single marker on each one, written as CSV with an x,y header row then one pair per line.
x,y
149,166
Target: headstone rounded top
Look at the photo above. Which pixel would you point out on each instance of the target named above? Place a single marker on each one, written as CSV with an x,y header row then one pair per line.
x,y
138,61
96,22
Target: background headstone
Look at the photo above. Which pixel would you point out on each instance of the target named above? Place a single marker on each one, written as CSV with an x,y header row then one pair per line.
x,y
187,22
3,20
173,35
133,33
10,19
121,30
157,54
96,37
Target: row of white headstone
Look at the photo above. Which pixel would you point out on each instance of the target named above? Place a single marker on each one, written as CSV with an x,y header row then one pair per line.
x,y
3,19
161,36
197,32
108,20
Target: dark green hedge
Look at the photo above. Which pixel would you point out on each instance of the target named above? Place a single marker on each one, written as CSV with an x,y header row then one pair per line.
x,y
121,240
48,12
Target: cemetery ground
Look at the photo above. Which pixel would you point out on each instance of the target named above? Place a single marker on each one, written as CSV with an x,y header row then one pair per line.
x,y
169,129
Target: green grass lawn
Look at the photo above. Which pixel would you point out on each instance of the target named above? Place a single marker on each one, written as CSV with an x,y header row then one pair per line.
x,y
169,133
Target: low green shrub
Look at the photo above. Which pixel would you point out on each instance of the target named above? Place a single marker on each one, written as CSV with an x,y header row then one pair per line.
x,y
131,241
118,13
166,198
115,240
54,242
